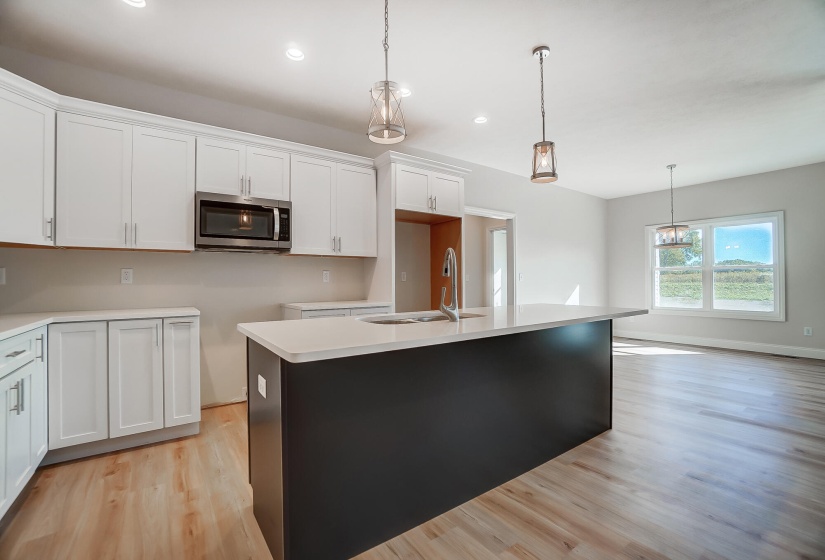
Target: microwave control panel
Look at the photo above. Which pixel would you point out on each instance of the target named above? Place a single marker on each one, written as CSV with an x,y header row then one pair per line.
x,y
283,226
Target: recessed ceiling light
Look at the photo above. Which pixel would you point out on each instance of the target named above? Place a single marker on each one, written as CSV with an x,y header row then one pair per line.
x,y
405,92
136,3
480,120
293,53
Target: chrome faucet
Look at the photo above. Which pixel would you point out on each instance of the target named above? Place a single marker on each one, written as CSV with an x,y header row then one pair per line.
x,y
450,269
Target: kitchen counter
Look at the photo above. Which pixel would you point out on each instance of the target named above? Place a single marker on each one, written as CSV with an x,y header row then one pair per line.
x,y
367,430
338,337
14,324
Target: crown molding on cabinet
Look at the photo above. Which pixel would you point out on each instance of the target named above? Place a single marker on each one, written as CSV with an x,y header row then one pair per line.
x,y
39,94
422,163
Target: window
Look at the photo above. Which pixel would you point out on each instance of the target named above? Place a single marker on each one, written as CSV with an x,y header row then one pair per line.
x,y
733,268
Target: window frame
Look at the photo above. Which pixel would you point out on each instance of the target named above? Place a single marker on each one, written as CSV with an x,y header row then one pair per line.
x,y
708,246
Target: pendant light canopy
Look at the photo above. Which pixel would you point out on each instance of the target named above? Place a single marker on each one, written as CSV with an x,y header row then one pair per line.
x,y
672,236
386,119
544,152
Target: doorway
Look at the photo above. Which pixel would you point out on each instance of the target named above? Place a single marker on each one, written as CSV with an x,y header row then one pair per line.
x,y
497,263
489,257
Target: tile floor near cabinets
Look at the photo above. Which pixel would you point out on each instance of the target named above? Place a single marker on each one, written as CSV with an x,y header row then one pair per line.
x,y
713,454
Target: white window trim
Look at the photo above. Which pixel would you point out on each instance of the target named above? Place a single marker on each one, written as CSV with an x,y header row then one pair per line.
x,y
707,271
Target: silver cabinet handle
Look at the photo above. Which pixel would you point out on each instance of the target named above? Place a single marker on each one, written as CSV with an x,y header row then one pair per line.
x,y
135,237
430,203
242,186
40,340
181,322
157,335
339,244
125,233
21,396
249,186
15,353
435,203
16,407
50,235
333,243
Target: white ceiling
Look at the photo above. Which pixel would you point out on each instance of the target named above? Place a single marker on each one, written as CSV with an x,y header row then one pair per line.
x,y
722,88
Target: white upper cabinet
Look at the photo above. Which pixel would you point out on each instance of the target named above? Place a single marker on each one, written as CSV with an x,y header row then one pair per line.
x,y
422,190
94,179
163,190
355,211
135,376
412,189
313,191
333,208
237,169
267,173
26,170
221,166
120,186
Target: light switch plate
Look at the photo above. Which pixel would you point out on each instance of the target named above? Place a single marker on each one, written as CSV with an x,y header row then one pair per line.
x,y
262,386
403,276
807,331
2,275
126,275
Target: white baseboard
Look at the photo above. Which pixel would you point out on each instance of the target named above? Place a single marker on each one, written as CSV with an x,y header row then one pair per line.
x,y
796,351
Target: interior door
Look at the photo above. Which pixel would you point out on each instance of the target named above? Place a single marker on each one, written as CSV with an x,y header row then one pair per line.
x,y
221,166
27,137
163,169
313,192
94,182
267,173
135,376
356,211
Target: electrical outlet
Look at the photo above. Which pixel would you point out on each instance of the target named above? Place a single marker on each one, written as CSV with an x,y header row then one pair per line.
x,y
245,395
126,275
520,276
808,331
325,276
262,386
403,276
2,276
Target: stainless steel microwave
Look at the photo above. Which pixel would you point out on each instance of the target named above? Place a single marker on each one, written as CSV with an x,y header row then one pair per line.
x,y
236,223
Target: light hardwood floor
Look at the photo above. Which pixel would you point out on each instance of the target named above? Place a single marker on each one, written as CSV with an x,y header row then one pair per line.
x,y
714,454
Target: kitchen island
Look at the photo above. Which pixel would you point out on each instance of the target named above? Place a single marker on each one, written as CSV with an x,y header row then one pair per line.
x,y
359,431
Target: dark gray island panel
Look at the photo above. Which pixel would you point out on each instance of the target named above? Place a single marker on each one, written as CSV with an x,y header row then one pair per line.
x,y
347,453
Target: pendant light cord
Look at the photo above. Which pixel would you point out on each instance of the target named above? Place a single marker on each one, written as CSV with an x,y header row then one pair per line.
x,y
541,67
671,196
386,40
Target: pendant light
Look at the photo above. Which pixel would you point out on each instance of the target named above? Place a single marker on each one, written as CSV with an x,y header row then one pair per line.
x,y
386,119
672,236
544,152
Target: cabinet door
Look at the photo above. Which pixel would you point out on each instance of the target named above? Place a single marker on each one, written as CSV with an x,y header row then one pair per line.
x,y
220,166
6,402
356,212
77,384
39,400
163,190
448,194
94,179
267,173
26,171
313,200
135,377
19,460
181,371
412,190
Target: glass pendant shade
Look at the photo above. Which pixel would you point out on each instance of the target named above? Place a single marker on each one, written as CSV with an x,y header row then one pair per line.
x,y
672,237
544,162
386,119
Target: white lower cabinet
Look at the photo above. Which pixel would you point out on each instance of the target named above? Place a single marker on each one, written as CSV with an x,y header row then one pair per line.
x,y
109,379
135,376
78,384
23,418
181,367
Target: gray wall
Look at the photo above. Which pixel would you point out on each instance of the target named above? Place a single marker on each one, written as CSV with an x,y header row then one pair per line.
x,y
559,238
799,191
412,255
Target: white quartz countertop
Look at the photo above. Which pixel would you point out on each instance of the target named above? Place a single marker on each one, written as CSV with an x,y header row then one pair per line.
x,y
11,325
321,305
339,337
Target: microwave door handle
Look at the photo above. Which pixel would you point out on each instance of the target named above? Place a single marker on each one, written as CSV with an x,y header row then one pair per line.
x,y
277,215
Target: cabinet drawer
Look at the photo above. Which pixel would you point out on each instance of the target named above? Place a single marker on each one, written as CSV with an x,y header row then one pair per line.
x,y
359,311
323,313
17,351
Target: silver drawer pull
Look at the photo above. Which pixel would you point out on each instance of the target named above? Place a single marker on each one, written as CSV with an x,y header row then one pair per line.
x,y
15,353
16,407
181,322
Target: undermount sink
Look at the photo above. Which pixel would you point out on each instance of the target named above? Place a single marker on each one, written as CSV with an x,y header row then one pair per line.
x,y
404,319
